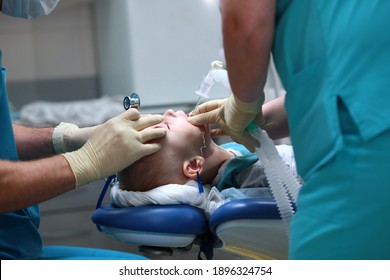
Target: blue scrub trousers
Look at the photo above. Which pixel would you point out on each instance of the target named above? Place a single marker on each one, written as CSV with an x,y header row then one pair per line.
x,y
344,207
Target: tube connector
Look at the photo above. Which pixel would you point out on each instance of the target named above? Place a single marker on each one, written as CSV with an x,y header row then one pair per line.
x,y
209,80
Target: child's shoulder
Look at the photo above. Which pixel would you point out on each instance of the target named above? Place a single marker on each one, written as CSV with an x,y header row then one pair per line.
x,y
240,150
237,149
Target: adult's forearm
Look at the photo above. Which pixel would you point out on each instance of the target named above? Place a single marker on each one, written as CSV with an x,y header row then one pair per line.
x,y
26,183
247,28
33,143
275,117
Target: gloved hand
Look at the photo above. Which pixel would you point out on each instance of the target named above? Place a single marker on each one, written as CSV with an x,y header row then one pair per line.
x,y
68,137
232,116
115,145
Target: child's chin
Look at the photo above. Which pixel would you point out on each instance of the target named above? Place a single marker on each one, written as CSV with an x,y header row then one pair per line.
x,y
205,129
206,133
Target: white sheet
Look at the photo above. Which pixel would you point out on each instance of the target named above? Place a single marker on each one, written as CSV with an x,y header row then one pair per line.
x,y
170,194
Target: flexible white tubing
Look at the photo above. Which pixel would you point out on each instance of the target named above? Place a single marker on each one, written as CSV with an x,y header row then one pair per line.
x,y
283,184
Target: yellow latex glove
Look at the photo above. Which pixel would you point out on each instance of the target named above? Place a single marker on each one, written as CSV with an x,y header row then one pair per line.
x,y
68,137
115,145
232,116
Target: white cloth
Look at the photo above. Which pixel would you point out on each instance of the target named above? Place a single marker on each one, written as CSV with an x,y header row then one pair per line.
x,y
169,194
81,113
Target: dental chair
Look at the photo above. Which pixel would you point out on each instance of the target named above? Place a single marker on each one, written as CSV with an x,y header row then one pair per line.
x,y
256,228
250,227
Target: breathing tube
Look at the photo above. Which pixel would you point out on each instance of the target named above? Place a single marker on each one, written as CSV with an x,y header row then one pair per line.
x,y
283,183
216,74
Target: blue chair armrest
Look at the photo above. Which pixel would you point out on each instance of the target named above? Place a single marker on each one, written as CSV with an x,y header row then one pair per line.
x,y
246,208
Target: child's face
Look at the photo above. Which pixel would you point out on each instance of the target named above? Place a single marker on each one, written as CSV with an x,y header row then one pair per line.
x,y
181,135
182,142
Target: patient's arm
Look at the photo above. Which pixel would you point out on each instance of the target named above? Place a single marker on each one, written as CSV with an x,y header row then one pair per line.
x,y
275,118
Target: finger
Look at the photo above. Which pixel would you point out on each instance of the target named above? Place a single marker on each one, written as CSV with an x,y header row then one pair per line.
x,y
146,121
197,120
151,148
248,141
259,119
208,106
204,118
217,132
132,114
151,134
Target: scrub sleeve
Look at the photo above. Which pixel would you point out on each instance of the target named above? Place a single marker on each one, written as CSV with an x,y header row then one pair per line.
x,y
334,62
19,235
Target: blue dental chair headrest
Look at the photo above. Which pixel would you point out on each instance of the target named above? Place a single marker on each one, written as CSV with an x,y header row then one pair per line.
x,y
178,219
252,224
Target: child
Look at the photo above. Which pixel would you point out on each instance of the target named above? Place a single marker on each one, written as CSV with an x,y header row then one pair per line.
x,y
188,156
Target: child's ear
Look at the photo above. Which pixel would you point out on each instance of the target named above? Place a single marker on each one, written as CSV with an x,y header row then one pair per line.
x,y
193,166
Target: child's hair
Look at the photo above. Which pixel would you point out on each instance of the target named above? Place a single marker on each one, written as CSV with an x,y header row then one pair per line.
x,y
152,171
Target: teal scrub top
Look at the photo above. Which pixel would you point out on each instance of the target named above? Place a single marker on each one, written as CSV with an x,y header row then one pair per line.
x,y
19,236
329,52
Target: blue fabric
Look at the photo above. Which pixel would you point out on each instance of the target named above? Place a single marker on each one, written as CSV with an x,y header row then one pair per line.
x,y
19,236
333,59
7,142
235,165
237,147
78,253
343,210
330,50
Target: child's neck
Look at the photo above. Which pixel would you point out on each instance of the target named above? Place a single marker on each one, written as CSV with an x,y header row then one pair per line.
x,y
214,158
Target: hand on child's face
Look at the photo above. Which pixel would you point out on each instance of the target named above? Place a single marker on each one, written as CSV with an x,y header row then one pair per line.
x,y
181,134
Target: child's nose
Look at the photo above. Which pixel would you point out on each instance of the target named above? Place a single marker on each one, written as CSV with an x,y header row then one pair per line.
x,y
169,112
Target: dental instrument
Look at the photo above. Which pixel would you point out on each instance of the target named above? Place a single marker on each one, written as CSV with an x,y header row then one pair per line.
x,y
132,101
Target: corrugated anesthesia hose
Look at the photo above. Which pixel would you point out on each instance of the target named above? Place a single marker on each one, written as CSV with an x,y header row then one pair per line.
x,y
283,183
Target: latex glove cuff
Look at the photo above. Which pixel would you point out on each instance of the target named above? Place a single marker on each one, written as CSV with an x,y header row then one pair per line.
x,y
239,114
61,142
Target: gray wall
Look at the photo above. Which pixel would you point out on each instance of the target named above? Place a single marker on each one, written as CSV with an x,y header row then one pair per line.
x,y
51,58
24,92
